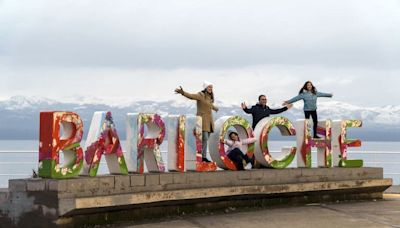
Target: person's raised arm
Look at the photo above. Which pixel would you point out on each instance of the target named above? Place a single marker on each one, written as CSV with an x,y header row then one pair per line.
x,y
193,96
319,94
279,110
245,109
294,99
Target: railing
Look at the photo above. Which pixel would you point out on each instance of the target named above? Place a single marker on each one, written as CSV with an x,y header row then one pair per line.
x,y
23,166
391,169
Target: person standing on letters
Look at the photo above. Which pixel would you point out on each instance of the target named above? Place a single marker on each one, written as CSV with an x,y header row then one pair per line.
x,y
205,105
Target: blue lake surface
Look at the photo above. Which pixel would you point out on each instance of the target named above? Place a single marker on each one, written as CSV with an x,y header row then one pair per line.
x,y
19,157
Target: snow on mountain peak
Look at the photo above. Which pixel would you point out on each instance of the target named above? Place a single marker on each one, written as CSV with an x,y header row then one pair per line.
x,y
21,102
388,115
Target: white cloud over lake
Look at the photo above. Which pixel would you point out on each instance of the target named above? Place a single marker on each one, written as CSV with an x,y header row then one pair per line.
x,y
144,49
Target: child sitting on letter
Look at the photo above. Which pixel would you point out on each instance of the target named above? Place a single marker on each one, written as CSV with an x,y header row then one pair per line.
x,y
234,151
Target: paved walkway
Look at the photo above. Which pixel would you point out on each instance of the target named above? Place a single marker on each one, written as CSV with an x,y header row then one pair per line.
x,y
382,213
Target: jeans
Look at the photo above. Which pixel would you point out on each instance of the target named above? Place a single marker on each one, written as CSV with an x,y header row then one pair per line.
x,y
237,156
314,116
204,141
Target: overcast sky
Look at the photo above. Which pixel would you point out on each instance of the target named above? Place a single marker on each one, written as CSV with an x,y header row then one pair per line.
x,y
142,50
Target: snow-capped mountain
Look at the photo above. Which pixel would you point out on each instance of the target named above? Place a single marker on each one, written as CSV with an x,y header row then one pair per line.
x,y
20,115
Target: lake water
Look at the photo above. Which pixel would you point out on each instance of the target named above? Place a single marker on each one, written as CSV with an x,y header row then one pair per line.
x,y
19,157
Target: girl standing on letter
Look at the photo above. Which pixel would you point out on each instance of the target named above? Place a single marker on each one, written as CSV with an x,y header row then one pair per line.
x,y
205,105
309,94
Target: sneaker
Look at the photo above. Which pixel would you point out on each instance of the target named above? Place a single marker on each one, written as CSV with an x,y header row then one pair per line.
x,y
205,160
316,137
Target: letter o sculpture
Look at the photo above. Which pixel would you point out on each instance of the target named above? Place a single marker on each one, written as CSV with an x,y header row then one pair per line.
x,y
217,147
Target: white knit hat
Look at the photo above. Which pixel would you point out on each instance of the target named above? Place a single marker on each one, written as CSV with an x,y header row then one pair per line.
x,y
206,84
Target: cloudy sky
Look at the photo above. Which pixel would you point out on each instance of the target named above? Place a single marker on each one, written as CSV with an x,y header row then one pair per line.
x,y
142,50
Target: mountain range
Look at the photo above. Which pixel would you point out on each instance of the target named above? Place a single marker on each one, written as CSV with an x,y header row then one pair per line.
x,y
20,114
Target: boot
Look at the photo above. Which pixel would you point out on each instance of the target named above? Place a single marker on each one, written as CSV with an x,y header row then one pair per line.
x,y
252,161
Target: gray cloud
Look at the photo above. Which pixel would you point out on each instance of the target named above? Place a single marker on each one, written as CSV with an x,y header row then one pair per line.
x,y
173,34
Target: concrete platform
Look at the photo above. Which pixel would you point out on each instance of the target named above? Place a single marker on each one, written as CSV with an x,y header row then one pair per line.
x,y
114,198
368,214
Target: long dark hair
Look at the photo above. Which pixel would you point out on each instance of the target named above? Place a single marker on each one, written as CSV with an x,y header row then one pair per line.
x,y
211,94
313,90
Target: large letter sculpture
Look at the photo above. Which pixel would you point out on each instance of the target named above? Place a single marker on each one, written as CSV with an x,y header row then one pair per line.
x,y
103,139
262,152
145,145
60,132
193,146
341,143
217,147
176,143
305,142
63,131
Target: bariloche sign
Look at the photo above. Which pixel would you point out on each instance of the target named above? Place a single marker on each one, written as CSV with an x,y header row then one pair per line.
x,y
62,131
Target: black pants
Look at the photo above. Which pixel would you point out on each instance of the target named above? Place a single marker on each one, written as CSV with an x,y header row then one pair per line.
x,y
237,157
314,116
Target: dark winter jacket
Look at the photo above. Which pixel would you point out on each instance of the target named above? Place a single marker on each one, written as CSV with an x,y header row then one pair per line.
x,y
259,112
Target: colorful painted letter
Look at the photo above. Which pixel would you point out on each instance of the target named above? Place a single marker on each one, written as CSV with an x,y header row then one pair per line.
x,y
217,147
145,145
60,132
305,142
193,146
176,143
262,152
103,139
340,143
